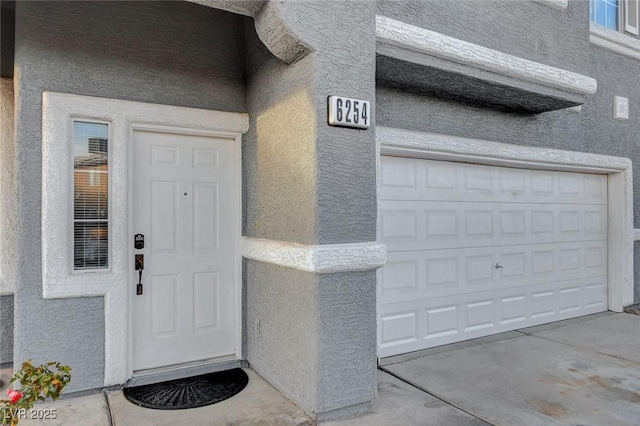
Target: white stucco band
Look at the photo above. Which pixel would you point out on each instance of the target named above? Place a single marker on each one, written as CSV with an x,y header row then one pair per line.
x,y
319,259
58,278
555,4
416,41
621,233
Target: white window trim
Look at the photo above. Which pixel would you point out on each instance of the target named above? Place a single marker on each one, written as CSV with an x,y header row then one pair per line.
x,y
625,18
614,41
621,234
57,280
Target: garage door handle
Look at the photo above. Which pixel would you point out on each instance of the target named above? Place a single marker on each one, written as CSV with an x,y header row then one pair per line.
x,y
498,266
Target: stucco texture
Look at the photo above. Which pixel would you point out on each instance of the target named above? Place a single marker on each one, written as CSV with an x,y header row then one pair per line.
x,y
593,129
6,329
8,213
521,28
8,188
309,183
317,335
103,49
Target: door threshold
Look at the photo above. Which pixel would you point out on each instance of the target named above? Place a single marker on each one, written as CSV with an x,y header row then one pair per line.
x,y
173,372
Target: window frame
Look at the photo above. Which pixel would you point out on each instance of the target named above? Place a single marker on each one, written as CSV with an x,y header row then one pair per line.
x,y
624,11
627,28
619,12
71,215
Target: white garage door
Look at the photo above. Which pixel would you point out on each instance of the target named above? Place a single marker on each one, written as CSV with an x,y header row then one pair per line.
x,y
474,250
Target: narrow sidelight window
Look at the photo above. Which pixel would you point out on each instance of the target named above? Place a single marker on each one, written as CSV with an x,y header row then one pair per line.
x,y
90,195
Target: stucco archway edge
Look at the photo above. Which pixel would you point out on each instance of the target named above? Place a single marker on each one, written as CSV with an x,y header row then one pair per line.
x,y
270,23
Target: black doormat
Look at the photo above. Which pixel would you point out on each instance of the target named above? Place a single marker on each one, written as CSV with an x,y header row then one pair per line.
x,y
190,392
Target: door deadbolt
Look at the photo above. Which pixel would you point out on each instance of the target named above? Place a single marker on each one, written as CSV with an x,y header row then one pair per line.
x,y
138,241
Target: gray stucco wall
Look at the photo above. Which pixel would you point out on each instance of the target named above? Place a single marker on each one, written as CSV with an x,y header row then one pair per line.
x,y
317,335
523,28
285,351
174,53
8,211
309,183
6,329
347,337
318,186
592,130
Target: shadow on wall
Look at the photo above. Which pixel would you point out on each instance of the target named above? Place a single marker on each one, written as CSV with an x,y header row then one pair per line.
x,y
6,329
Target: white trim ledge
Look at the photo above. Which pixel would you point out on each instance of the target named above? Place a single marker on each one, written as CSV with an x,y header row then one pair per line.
x,y
421,41
614,41
555,4
318,259
636,235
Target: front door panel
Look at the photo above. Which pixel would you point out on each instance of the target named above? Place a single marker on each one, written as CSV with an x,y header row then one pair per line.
x,y
183,205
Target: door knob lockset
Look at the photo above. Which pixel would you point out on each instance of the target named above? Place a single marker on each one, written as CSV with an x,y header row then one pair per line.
x,y
498,266
139,260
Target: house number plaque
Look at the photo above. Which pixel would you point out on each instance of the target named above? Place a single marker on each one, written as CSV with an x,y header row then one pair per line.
x,y
348,112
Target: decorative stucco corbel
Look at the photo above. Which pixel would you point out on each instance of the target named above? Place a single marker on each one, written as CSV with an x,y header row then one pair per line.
x,y
271,26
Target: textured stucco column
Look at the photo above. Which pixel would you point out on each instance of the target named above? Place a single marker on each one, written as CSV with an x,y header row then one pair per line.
x,y
312,335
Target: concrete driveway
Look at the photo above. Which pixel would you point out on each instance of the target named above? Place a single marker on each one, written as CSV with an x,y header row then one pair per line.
x,y
584,371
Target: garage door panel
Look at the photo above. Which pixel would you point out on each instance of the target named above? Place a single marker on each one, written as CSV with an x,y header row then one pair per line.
x,y
400,329
401,226
417,179
440,321
474,250
441,273
423,225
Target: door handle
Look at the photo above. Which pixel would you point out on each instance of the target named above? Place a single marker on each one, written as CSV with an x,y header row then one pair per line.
x,y
139,260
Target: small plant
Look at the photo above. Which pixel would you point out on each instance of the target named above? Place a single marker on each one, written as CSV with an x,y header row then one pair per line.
x,y
37,384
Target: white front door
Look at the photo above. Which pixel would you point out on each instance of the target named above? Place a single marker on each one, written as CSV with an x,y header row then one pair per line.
x,y
184,207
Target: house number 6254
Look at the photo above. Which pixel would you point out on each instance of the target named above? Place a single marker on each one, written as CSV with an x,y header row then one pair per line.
x,y
347,112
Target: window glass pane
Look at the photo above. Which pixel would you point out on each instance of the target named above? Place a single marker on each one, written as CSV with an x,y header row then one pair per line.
x,y
600,12
90,247
612,16
90,194
604,12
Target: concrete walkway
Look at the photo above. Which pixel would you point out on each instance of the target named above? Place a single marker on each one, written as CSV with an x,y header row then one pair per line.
x,y
259,404
584,371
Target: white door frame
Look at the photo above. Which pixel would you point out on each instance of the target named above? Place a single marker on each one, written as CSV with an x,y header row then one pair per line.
x,y
58,280
236,139
433,146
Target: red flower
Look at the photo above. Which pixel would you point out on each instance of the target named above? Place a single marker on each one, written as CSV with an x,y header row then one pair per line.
x,y
14,396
